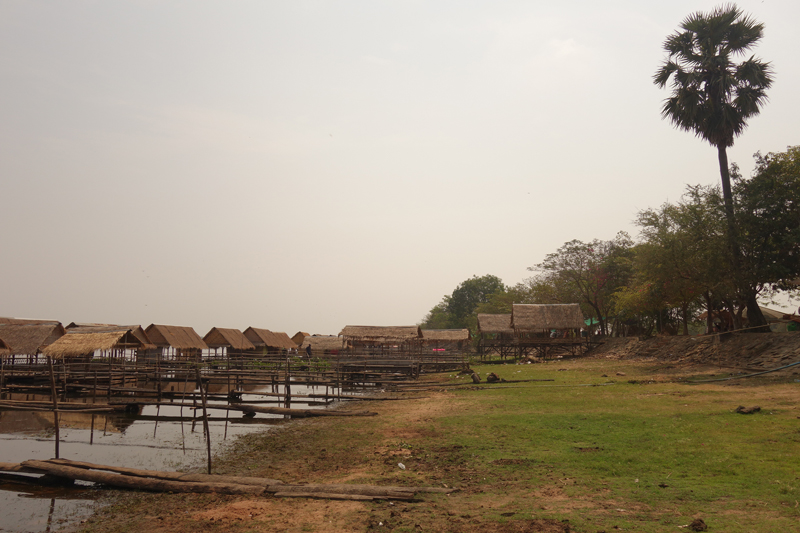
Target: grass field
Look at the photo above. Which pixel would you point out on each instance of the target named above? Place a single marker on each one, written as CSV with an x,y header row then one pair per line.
x,y
605,446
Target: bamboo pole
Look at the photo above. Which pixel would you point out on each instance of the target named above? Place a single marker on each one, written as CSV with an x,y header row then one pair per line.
x,y
55,402
205,419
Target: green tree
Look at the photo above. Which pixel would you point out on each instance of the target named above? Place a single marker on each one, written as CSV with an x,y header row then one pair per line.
x,y
585,273
713,96
437,317
469,295
458,310
501,302
682,256
768,213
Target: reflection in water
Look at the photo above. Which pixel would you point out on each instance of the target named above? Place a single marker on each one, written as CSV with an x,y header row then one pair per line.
x,y
50,515
150,437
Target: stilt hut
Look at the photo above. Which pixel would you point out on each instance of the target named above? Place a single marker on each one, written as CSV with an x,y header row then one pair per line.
x,y
270,342
26,341
322,345
496,335
442,340
4,349
227,342
299,337
83,344
382,340
542,327
176,342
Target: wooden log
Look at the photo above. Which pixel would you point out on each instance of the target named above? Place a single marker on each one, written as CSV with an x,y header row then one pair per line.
x,y
16,467
62,406
373,491
140,483
248,408
172,476
294,413
329,496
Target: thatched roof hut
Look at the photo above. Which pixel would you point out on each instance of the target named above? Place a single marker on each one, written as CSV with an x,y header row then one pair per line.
x,y
136,330
540,317
30,339
446,335
269,340
381,334
298,337
177,337
322,344
490,323
230,338
446,339
85,341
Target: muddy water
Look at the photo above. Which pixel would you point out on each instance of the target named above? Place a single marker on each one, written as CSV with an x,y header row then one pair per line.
x,y
153,439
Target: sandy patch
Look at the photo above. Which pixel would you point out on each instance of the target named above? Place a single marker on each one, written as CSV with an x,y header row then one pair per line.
x,y
288,514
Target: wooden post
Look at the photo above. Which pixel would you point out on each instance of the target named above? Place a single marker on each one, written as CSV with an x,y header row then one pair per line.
x,y
287,387
54,394
205,419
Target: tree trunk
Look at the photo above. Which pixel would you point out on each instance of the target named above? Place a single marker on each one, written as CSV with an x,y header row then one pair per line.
x,y
685,318
709,317
754,315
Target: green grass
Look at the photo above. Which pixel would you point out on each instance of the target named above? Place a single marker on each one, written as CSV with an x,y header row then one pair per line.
x,y
671,450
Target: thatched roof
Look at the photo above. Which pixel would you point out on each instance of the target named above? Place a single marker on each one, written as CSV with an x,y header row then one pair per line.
x,y
320,343
178,337
22,321
381,333
451,335
30,339
494,323
4,349
228,337
136,330
537,317
79,341
270,339
298,337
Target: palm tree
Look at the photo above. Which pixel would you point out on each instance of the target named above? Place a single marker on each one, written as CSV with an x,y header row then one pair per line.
x,y
713,96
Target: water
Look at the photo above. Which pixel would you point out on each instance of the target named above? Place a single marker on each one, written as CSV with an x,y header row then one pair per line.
x,y
153,439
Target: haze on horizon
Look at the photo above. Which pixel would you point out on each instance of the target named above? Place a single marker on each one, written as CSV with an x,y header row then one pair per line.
x,y
304,165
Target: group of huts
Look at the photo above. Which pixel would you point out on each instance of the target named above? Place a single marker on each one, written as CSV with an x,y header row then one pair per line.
x,y
27,341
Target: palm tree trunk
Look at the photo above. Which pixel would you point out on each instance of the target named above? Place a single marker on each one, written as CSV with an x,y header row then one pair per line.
x,y
754,315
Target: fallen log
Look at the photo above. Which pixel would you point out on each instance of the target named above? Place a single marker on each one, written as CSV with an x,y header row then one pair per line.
x,y
248,408
323,496
130,478
171,476
132,482
16,467
295,413
353,488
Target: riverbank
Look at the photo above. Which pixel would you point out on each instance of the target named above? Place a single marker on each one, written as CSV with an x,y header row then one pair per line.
x,y
612,443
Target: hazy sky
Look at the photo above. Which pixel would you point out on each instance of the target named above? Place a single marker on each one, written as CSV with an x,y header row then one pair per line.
x,y
304,165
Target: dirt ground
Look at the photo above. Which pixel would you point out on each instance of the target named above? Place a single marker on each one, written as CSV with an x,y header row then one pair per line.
x,y
753,351
370,450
